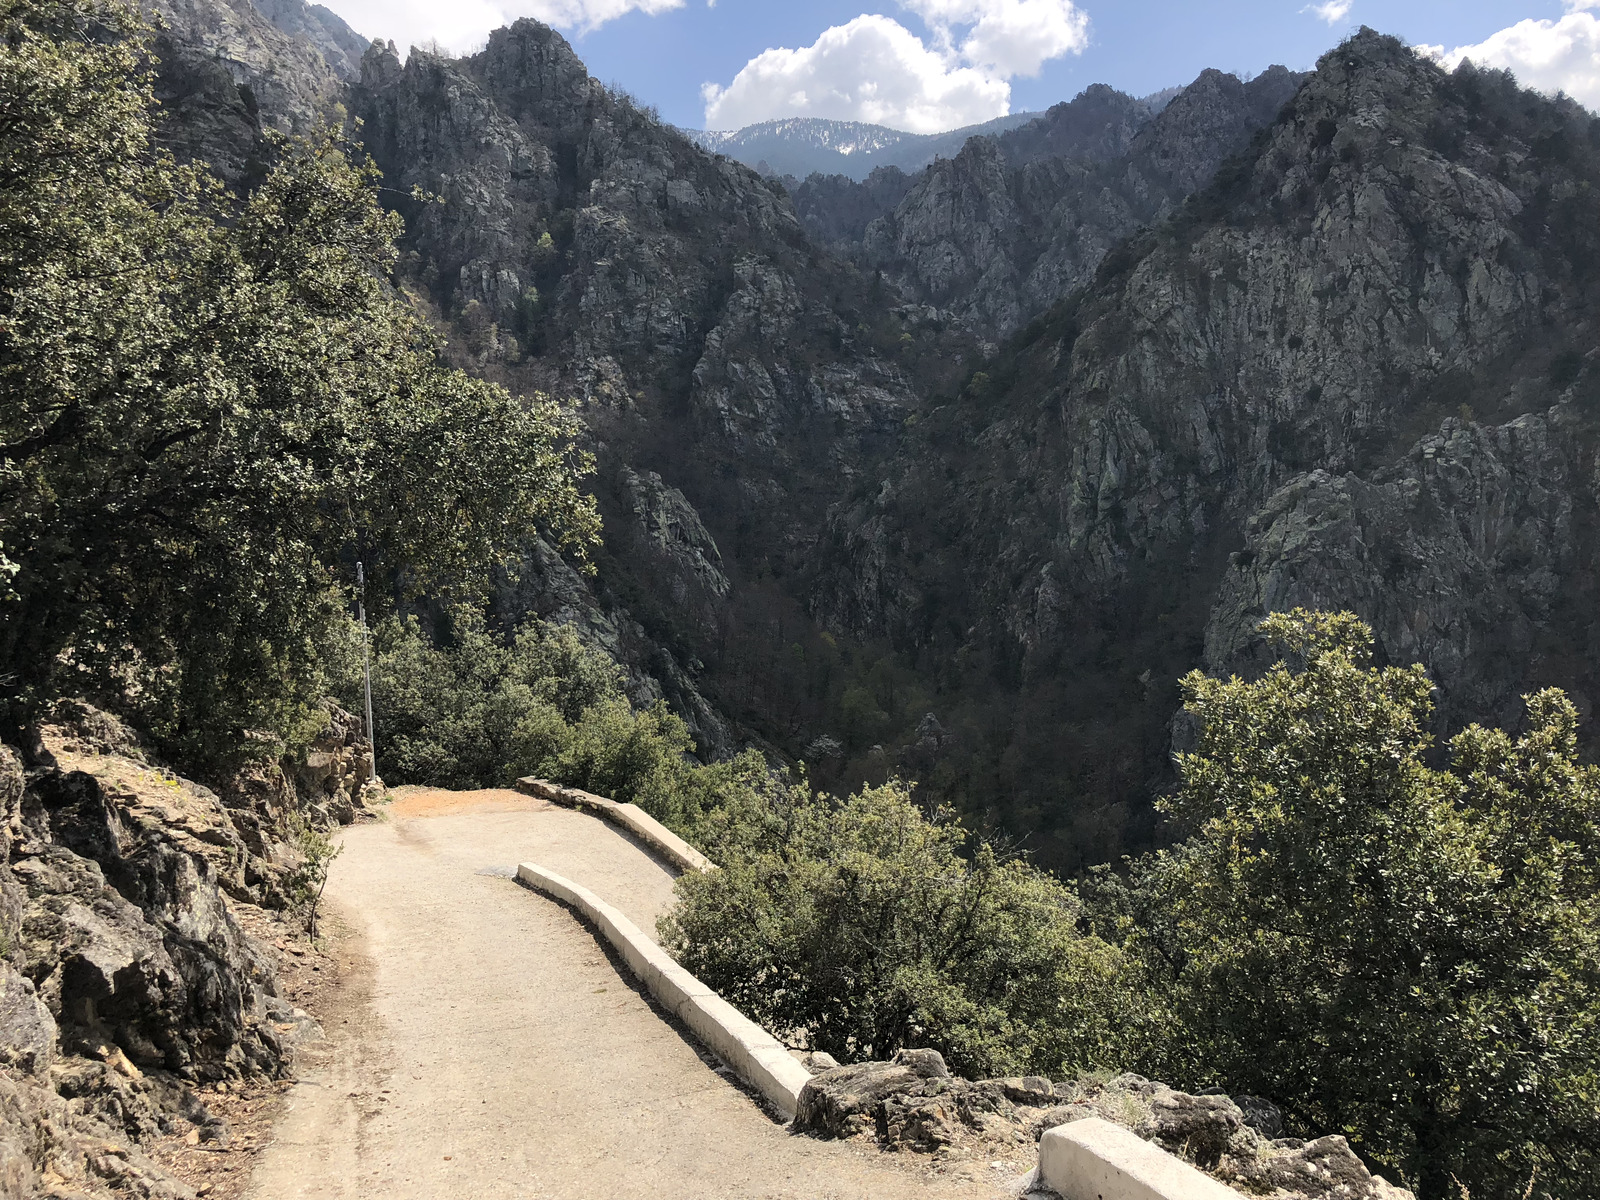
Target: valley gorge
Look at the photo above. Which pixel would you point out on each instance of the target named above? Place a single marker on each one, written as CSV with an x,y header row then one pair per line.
x,y
954,475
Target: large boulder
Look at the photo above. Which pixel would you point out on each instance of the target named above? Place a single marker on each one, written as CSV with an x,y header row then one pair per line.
x,y
912,1101
847,1101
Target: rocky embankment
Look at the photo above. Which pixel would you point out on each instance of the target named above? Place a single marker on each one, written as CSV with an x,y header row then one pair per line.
x,y
127,979
913,1103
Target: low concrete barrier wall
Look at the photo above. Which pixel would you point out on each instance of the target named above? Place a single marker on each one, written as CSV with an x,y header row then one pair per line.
x,y
1096,1160
628,816
1086,1160
749,1050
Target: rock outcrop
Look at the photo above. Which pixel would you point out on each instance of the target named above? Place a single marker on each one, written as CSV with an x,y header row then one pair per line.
x,y
1392,288
914,1103
227,70
1458,555
126,980
1014,223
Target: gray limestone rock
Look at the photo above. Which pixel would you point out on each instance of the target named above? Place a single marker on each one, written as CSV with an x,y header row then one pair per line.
x,y
1015,223
1455,555
27,1031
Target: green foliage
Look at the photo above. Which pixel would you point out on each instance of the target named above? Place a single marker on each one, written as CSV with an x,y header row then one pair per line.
x,y
305,884
1404,953
860,924
481,710
477,710
215,405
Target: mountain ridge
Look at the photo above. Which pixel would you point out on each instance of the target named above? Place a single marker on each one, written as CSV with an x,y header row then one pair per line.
x,y
803,449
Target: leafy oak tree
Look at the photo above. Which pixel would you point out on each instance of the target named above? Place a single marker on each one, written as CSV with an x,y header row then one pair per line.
x,y
214,406
1404,953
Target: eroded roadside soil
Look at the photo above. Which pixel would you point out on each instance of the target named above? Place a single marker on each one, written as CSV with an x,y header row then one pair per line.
x,y
482,1043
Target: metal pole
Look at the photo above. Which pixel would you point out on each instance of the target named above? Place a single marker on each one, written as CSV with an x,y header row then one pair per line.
x,y
366,668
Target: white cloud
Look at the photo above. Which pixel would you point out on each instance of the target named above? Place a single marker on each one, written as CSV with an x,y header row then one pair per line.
x,y
1552,56
874,69
1333,11
1008,37
464,24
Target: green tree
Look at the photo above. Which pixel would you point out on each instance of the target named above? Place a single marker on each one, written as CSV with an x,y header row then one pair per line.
x,y
213,406
478,709
1406,954
860,925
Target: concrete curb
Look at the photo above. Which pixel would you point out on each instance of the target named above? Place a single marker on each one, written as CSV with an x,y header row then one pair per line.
x,y
629,816
1096,1160
753,1054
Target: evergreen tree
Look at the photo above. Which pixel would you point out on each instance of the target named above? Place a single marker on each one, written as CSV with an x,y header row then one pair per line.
x,y
1405,953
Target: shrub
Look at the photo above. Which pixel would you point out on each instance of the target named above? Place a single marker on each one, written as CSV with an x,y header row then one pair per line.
x,y
478,709
858,926
214,404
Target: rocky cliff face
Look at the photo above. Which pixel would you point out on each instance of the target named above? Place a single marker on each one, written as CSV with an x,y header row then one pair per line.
x,y
720,362
227,70
1466,554
1013,224
1399,248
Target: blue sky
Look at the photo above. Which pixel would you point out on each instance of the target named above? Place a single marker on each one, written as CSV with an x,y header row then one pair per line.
x,y
925,64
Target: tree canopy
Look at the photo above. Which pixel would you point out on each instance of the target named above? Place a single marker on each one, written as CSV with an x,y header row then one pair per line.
x,y
215,405
1404,952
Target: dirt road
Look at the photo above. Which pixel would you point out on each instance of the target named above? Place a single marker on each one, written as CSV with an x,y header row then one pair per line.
x,y
485,1047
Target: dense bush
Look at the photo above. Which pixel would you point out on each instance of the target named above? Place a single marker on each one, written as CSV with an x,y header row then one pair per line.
x,y
1406,953
1403,952
474,708
861,925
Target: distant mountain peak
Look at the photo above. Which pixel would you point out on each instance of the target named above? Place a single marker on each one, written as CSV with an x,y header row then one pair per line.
x,y
804,146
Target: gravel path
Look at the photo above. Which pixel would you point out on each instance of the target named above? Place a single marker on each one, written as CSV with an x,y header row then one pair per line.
x,y
483,1045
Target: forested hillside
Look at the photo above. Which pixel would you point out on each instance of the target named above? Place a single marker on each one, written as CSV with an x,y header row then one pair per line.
x,y
1351,366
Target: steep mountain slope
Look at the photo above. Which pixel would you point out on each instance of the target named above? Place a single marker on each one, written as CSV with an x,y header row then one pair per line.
x,y
229,69
803,146
725,369
1228,419
1357,367
1010,225
1097,124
